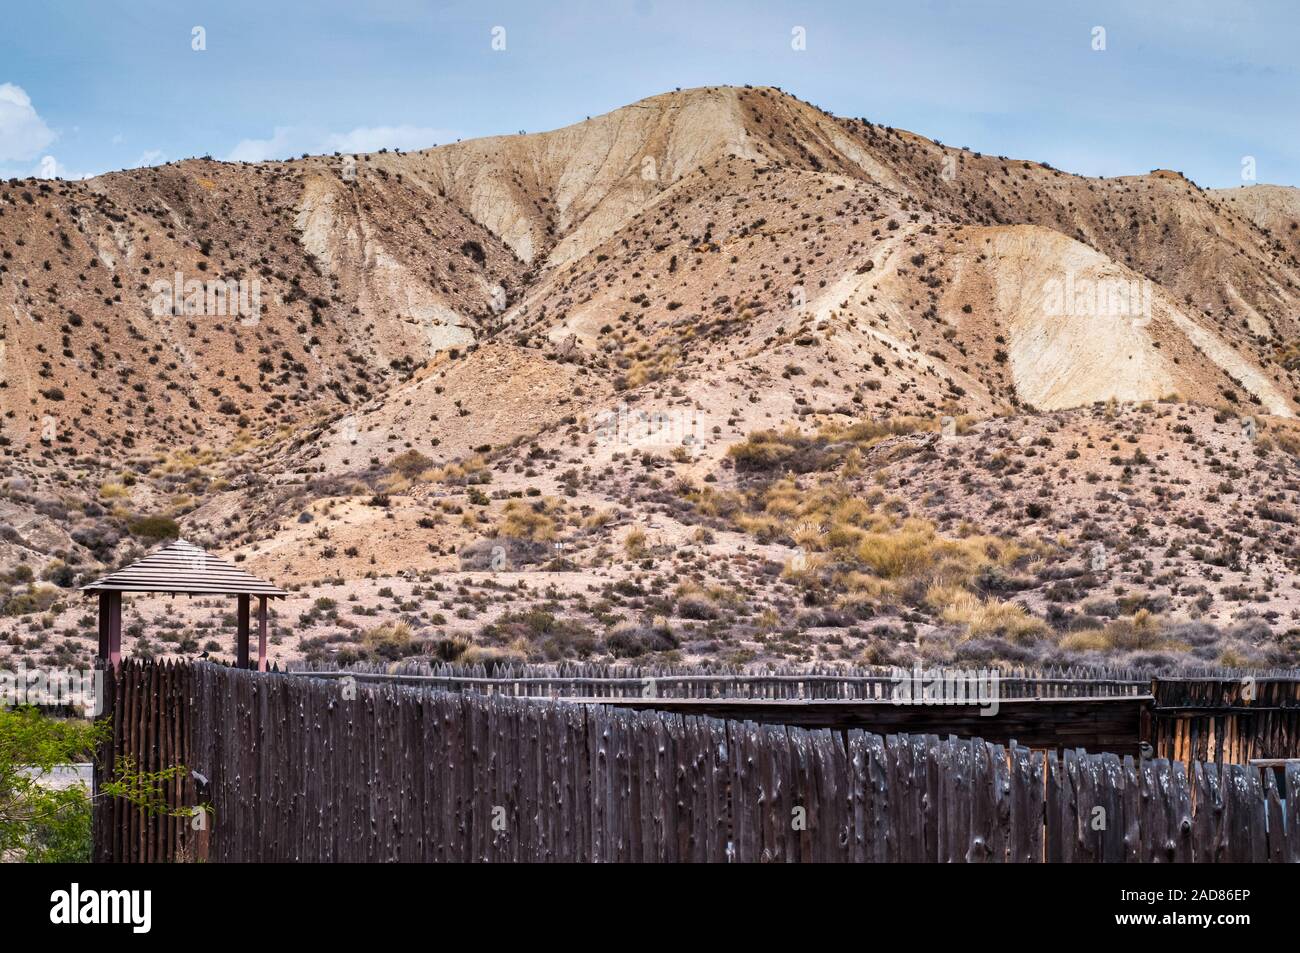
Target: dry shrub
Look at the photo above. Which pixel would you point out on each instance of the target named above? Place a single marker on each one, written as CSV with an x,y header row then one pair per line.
x,y
903,552
532,522
410,464
473,470
788,449
390,635
981,617
598,519
1087,640
492,655
1287,439
634,543
1141,632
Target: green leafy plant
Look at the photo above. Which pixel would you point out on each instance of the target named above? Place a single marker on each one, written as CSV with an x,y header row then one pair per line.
x,y
39,823
43,824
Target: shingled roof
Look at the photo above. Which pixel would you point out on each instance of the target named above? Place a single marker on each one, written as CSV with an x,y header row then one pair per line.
x,y
182,567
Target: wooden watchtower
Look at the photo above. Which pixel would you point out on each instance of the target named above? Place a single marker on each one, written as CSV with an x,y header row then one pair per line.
x,y
180,567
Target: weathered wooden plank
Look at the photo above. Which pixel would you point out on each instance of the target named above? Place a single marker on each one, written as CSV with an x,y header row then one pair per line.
x,y
1111,801
744,790
983,798
1208,813
860,792
1179,827
720,839
1052,810
806,791
1024,816
1276,838
774,776
831,831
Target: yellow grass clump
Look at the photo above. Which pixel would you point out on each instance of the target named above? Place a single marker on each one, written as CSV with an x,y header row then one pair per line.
x,y
486,654
179,461
1142,631
982,617
462,471
634,543
394,484
112,491
598,519
767,449
521,520
391,634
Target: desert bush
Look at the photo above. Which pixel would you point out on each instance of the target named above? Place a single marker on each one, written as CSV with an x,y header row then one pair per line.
x,y
101,539
502,553
631,640
634,543
598,519
1086,640
770,450
981,617
491,656
1288,439
894,554
410,464
696,607
464,472
1141,632
154,528
34,599
527,521
392,640
59,573
541,635
447,649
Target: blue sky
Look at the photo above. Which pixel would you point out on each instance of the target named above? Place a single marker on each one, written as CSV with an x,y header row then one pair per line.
x,y
87,86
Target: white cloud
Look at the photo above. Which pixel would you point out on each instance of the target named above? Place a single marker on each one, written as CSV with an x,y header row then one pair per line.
x,y
374,138
289,141
150,157
23,134
48,168
279,146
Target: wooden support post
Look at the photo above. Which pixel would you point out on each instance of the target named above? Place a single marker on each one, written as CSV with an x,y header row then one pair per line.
x,y
262,623
103,626
1147,728
241,640
114,628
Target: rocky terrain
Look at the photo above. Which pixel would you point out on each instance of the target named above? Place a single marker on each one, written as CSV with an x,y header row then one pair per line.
x,y
715,378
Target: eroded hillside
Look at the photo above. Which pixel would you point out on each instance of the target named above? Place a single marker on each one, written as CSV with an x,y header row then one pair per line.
x,y
716,375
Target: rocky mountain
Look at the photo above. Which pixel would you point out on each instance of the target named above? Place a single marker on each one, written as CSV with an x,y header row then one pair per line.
x,y
692,348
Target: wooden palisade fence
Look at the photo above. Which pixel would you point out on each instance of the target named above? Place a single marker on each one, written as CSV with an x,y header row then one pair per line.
x,y
783,682
303,769
1212,715
1215,719
151,707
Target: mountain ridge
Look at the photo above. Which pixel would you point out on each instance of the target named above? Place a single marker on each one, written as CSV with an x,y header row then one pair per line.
x,y
716,355
570,191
